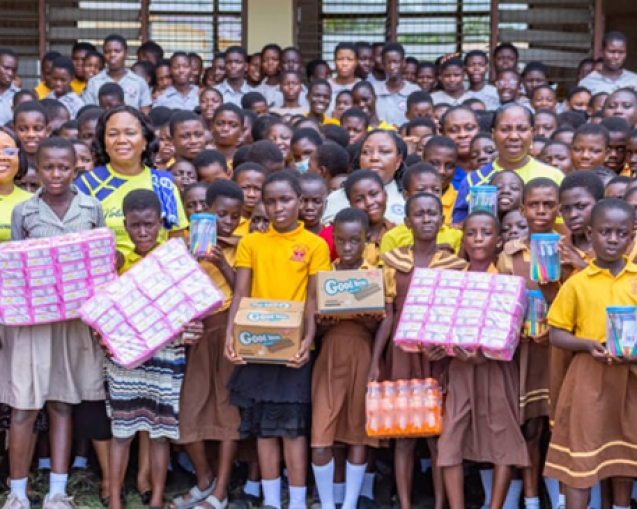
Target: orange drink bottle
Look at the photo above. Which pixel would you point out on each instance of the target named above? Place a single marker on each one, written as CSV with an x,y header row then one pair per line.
x,y
388,403
402,411
373,408
416,406
432,401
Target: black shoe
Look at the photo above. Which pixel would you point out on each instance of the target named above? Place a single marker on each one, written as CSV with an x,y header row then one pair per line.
x,y
366,503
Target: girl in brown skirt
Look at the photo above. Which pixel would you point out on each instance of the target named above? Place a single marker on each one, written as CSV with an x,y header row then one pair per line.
x,y
424,217
339,379
594,435
481,409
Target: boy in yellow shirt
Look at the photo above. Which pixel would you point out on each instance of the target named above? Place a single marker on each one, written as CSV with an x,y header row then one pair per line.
x,y
442,153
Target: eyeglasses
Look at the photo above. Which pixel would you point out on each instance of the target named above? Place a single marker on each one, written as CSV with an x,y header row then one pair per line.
x,y
10,152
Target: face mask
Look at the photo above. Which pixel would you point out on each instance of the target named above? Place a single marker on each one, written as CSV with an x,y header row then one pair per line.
x,y
303,166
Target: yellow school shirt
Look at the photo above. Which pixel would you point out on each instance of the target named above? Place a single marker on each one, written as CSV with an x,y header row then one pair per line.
x,y
448,202
282,263
626,171
7,203
244,227
327,120
42,90
402,236
382,125
78,86
230,254
580,305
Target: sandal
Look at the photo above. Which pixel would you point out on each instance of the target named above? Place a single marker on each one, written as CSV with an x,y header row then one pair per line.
x,y
196,497
214,503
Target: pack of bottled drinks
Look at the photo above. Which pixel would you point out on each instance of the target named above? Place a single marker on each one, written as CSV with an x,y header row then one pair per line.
x,y
404,408
470,310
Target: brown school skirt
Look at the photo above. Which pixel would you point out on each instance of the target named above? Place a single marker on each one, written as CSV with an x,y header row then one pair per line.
x,y
594,436
481,416
533,359
560,360
403,365
339,383
205,409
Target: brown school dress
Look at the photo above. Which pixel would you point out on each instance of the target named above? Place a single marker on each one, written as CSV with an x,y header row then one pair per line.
x,y
339,383
398,271
205,409
482,414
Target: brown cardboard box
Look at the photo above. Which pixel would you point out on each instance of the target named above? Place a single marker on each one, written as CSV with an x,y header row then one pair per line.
x,y
268,331
346,293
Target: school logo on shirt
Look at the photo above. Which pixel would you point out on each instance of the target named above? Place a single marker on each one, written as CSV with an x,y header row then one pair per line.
x,y
299,253
402,106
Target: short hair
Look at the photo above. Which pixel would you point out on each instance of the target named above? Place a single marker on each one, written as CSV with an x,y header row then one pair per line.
x,y
411,60
426,65
420,168
586,180
442,142
420,122
289,176
162,62
361,84
160,116
8,52
355,113
352,215
252,98
116,38
452,62
394,47
152,48
55,143
271,47
49,56
624,89
346,46
264,151
90,113
616,125
472,101
140,200
535,66
111,90
483,213
417,97
307,133
333,157
261,126
619,179
311,178
502,109
575,119
417,196
195,55
612,204
64,63
481,136
312,65
507,172
180,117
24,92
208,157
336,134
194,185
233,108
238,50
223,189
476,53
71,124
596,96
30,107
249,166
576,90
282,74
563,129
82,46
317,82
540,88
485,121
593,130
240,156
613,36
505,46
538,183
451,111
556,143
94,54
179,54
359,175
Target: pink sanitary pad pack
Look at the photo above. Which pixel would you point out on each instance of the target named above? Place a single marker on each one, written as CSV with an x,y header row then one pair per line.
x,y
46,280
148,306
467,309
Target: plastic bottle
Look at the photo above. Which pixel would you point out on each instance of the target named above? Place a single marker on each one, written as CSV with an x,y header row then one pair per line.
x,y
388,404
416,406
403,421
433,407
373,409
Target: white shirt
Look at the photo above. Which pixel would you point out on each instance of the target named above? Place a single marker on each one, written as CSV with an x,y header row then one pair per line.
x,y
6,104
596,82
229,94
392,106
173,99
71,101
136,91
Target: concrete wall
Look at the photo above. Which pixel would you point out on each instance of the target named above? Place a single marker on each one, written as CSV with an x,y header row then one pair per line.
x,y
270,21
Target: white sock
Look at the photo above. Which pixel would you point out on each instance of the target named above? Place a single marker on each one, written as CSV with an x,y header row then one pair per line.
x,y
634,493
44,464
368,486
57,484
339,492
562,501
425,464
298,497
252,488
553,490
532,503
324,478
596,496
487,485
19,488
512,500
354,475
621,507
272,492
80,462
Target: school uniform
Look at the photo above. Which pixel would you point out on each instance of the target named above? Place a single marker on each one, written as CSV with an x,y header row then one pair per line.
x,y
482,414
205,409
337,89
6,104
398,270
339,382
597,83
230,95
274,400
441,97
488,95
392,106
533,353
395,212
594,435
58,361
70,100
447,238
136,90
173,99
372,251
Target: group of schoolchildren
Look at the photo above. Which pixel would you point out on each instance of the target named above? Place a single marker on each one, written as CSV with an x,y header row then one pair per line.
x,y
367,165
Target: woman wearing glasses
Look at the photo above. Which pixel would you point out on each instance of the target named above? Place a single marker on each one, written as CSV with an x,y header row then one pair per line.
x,y
13,166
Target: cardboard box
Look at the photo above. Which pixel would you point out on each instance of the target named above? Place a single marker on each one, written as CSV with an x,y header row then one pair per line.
x,y
346,293
268,331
